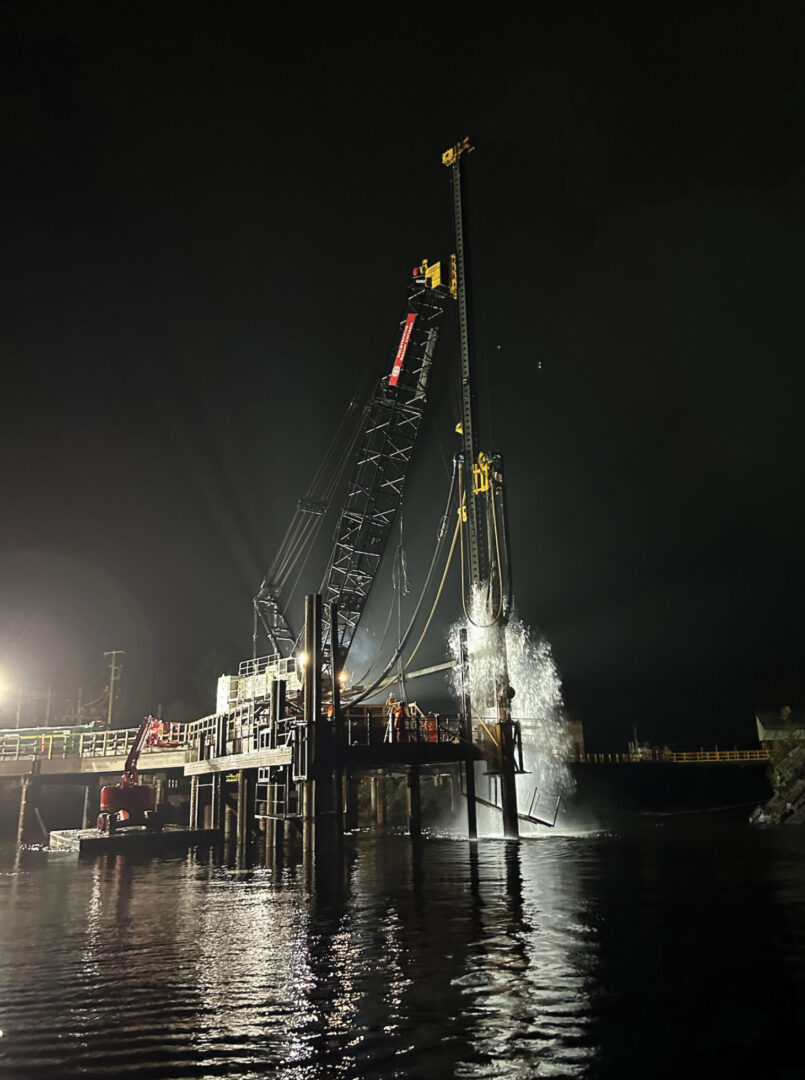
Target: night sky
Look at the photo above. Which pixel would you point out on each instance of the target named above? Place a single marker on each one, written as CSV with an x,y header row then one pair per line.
x,y
208,225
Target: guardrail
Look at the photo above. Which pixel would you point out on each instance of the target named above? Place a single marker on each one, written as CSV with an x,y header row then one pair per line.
x,y
370,729
722,755
62,744
678,757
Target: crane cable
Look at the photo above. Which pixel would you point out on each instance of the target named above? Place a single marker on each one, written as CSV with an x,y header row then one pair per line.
x,y
302,523
337,476
368,672
382,681
401,586
439,591
404,640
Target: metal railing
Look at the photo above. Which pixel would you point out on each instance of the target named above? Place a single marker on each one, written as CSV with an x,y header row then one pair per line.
x,y
241,734
678,757
722,755
64,744
281,667
375,727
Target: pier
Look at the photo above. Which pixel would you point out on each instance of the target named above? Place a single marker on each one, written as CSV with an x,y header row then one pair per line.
x,y
285,759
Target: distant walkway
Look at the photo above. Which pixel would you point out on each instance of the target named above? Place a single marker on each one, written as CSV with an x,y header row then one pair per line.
x,y
685,757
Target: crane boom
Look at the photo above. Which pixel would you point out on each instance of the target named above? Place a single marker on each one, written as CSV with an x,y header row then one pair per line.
x,y
380,446
391,425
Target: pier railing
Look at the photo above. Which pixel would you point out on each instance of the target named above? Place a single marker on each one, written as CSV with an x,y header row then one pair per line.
x,y
679,757
370,728
374,727
62,744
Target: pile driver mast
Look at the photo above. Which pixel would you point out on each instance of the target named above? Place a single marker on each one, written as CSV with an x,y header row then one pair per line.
x,y
484,499
478,546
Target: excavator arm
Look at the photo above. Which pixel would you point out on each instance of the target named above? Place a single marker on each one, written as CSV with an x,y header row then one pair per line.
x,y
130,775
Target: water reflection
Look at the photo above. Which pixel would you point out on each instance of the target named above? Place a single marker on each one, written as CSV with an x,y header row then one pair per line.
x,y
394,954
564,956
525,983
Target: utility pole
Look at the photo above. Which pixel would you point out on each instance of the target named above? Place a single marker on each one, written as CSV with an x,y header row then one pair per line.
x,y
115,671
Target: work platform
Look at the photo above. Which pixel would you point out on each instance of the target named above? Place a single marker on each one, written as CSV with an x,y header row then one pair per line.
x,y
240,772
150,841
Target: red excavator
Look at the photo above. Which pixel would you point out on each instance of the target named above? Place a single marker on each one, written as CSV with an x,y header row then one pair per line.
x,y
130,802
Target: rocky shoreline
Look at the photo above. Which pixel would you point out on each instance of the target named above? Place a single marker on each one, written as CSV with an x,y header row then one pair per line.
x,y
787,804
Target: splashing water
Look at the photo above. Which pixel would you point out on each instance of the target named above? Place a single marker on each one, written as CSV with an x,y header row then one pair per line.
x,y
537,704
539,707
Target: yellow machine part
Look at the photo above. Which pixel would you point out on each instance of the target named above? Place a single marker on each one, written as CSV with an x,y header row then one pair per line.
x,y
480,475
451,156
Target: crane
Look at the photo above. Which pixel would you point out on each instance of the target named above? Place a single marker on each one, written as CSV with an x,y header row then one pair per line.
x,y
381,450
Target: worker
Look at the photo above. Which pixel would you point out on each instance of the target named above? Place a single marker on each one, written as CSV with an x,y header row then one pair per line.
x,y
431,728
390,706
400,715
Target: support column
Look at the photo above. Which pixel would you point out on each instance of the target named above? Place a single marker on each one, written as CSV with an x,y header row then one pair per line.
x,y
508,775
193,809
336,734
508,779
243,808
89,814
314,794
505,738
230,814
216,802
414,803
466,717
24,786
308,816
380,799
353,782
270,838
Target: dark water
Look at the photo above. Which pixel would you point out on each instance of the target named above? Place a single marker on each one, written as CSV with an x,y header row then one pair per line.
x,y
673,948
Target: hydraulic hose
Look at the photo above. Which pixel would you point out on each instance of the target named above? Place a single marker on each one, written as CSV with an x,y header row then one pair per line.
x,y
404,639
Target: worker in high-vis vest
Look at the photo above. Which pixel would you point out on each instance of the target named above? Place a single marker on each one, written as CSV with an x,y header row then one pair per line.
x,y
400,714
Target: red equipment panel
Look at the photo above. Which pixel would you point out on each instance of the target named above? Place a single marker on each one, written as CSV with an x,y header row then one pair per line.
x,y
402,348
